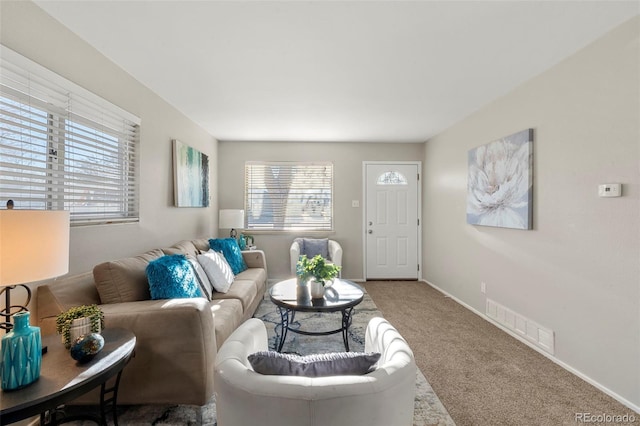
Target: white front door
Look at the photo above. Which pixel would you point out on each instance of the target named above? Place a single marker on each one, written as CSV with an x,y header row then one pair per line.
x,y
391,220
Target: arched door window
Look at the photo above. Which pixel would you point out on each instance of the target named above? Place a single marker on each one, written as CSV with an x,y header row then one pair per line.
x,y
392,178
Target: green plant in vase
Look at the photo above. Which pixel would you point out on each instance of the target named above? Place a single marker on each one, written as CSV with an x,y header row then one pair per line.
x,y
65,321
317,268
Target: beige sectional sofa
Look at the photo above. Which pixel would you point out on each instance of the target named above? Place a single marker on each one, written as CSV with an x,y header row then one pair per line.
x,y
177,339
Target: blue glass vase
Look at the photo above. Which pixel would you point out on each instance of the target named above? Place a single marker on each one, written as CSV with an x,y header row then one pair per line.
x,y
21,354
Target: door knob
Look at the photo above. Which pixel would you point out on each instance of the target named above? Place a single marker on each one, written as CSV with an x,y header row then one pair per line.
x,y
371,231
370,223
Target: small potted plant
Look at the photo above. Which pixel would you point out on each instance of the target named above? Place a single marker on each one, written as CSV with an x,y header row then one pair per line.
x,y
317,272
78,321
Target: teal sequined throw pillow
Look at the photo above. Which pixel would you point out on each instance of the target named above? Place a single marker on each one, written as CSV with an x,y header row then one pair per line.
x,y
172,277
231,251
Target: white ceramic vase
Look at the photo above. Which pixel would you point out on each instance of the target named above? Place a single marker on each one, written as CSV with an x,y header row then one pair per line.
x,y
80,327
316,288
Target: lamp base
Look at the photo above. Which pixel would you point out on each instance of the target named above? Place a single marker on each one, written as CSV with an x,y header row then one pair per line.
x,y
9,309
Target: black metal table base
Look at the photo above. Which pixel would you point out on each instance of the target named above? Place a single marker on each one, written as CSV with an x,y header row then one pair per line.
x,y
287,317
108,399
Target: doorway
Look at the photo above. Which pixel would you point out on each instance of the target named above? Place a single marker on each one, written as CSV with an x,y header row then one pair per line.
x,y
392,201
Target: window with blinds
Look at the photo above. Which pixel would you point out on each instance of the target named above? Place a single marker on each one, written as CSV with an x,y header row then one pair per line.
x,y
286,196
64,148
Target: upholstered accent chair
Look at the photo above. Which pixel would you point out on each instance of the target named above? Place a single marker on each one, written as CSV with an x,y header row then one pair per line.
x,y
329,249
382,397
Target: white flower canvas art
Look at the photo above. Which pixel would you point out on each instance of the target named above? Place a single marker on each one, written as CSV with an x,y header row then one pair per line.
x,y
500,182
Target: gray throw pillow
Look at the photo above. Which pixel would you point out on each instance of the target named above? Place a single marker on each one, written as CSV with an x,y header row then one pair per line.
x,y
201,276
318,365
313,247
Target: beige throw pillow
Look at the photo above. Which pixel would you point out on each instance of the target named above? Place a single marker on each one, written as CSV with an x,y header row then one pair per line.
x,y
124,280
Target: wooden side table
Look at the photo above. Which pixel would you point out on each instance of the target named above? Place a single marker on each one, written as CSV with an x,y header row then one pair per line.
x,y
62,379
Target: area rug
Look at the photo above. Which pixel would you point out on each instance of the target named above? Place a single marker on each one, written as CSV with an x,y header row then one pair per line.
x,y
428,408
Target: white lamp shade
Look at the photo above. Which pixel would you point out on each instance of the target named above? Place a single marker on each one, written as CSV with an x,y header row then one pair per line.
x,y
231,219
34,245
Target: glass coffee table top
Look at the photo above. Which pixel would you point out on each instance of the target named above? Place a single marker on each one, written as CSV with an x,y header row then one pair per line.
x,y
341,295
290,297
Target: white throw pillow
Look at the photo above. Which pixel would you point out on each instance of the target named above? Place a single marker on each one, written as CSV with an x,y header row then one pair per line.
x,y
217,269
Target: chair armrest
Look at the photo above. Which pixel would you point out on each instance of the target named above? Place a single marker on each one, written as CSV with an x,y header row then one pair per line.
x,y
335,253
382,337
294,253
248,338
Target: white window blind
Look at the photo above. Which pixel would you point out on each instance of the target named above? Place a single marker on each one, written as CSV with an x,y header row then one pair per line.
x,y
64,148
289,196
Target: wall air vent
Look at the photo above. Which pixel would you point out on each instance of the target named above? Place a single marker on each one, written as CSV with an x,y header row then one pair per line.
x,y
521,326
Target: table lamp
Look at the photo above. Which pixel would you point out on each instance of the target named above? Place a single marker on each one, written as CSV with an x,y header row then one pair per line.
x,y
34,245
231,219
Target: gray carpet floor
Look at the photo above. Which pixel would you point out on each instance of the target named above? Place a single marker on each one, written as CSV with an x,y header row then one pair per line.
x,y
429,411
482,375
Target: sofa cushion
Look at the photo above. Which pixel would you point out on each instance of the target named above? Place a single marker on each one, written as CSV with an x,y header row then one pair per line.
x,y
172,250
185,246
243,290
201,245
227,315
124,280
172,277
231,251
258,275
317,365
217,269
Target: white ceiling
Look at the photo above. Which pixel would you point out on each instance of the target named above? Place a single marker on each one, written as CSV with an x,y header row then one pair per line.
x,y
382,71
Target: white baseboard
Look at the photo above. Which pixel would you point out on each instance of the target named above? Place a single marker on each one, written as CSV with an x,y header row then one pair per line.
x,y
562,364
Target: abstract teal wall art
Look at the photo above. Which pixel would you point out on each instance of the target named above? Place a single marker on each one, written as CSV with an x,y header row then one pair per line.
x,y
191,176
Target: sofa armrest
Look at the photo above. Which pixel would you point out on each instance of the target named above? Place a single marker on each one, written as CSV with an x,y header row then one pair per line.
x,y
61,294
149,318
175,349
255,259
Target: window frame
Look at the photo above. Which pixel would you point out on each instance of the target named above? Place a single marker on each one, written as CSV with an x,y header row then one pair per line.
x,y
315,227
78,130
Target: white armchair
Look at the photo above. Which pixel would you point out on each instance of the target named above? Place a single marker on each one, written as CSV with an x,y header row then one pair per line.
x,y
297,249
382,397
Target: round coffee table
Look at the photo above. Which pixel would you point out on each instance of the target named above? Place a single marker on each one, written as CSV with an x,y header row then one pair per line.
x,y
290,297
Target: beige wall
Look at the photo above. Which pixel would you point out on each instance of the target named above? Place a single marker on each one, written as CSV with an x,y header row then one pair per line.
x,y
347,159
32,33
577,272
